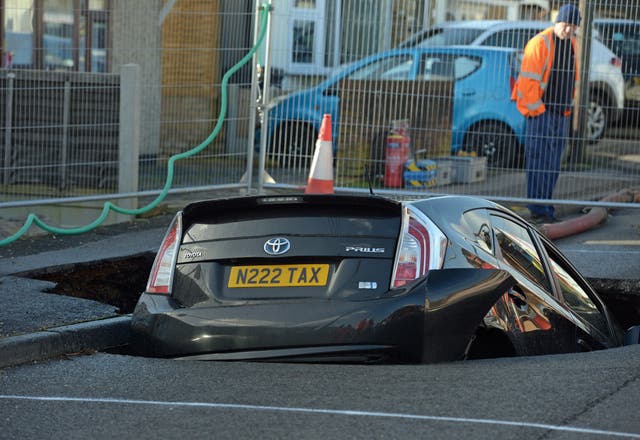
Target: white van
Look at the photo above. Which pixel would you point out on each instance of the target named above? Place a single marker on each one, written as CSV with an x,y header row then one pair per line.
x,y
606,83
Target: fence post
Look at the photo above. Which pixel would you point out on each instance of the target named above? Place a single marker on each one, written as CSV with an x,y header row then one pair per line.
x,y
8,118
129,136
233,114
64,150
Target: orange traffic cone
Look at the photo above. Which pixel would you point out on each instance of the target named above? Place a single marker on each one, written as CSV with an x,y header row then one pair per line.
x,y
321,175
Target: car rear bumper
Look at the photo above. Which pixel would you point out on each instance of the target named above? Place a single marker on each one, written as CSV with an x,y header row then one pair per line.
x,y
387,328
433,321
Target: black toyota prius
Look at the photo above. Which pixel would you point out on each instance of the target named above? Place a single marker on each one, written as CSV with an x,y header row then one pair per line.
x,y
354,278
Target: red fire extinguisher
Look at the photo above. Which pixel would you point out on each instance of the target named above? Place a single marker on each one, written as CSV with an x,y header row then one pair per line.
x,y
397,152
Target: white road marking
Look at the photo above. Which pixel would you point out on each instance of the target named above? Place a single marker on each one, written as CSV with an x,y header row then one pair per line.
x,y
613,242
326,411
603,251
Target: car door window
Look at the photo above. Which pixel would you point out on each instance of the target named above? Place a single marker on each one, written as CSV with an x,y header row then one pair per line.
x,y
396,67
450,37
622,39
518,251
439,66
475,227
465,66
628,38
514,38
576,297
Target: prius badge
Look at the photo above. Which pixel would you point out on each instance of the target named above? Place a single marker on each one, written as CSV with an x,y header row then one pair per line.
x,y
277,246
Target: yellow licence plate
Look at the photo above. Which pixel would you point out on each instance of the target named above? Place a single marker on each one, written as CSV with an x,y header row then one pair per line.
x,y
287,275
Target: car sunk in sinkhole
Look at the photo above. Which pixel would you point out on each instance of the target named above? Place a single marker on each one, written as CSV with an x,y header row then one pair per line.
x,y
346,278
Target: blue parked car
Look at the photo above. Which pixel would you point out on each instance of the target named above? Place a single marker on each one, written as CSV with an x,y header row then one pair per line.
x,y
485,120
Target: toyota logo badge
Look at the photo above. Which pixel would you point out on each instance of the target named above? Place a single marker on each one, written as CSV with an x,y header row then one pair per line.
x,y
277,246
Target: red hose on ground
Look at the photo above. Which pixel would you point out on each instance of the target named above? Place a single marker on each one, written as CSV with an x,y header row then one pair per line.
x,y
594,217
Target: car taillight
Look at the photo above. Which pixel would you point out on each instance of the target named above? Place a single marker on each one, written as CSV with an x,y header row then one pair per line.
x,y
421,248
615,61
161,276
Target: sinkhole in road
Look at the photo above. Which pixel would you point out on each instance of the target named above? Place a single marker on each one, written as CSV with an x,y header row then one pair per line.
x,y
119,282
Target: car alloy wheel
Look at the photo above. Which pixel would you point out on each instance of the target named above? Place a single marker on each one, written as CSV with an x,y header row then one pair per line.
x,y
494,141
596,120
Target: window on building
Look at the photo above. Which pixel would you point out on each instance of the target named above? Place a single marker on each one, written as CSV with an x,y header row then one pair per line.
x,y
322,34
306,35
57,39
55,35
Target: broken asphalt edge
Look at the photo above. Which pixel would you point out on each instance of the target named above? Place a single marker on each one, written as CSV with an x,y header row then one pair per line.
x,y
58,341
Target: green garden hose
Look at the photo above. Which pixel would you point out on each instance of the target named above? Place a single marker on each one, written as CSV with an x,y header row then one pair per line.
x,y
108,206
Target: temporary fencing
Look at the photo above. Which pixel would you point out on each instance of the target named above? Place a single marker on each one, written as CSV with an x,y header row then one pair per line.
x,y
109,206
79,122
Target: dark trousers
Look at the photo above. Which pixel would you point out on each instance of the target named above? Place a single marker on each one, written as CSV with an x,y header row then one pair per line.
x,y
545,138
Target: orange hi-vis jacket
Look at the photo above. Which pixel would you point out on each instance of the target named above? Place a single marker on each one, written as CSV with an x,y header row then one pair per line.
x,y
534,73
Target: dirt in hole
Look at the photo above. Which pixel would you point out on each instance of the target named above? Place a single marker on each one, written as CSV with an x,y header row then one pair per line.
x,y
622,297
118,282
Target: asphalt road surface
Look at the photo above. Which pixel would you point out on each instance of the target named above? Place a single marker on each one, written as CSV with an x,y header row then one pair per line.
x,y
592,395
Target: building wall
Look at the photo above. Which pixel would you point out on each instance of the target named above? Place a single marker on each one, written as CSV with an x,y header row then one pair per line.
x,y
136,38
191,73
407,19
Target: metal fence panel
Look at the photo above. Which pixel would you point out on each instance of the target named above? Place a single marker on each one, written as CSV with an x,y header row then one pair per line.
x,y
60,132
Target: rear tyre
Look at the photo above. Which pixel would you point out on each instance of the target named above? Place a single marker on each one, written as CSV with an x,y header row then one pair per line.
x,y
292,145
494,141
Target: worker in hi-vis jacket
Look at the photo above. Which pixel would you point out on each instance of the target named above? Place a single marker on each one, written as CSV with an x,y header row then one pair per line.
x,y
544,94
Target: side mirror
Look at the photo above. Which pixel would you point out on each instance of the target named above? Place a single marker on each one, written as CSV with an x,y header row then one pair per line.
x,y
632,336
